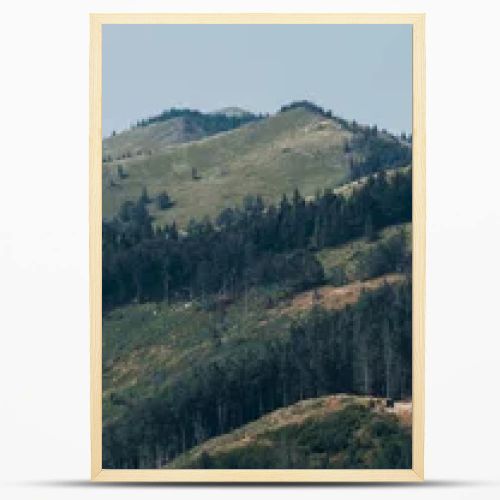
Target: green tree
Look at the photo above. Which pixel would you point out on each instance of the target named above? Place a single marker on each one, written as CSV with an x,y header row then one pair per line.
x,y
164,201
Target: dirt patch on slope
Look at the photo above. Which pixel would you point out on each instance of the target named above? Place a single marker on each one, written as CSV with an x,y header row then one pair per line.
x,y
331,297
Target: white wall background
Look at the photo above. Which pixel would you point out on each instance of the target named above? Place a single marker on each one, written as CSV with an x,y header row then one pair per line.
x,y
44,362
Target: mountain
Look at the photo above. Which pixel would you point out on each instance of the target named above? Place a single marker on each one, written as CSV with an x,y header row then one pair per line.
x,y
275,332
299,147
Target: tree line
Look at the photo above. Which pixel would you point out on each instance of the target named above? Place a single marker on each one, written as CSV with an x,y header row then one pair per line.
x,y
244,246
211,123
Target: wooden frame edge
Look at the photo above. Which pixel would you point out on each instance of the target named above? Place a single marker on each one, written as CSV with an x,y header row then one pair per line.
x,y
98,474
311,476
256,18
95,235
419,246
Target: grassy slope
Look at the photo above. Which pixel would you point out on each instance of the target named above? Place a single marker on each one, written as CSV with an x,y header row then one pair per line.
x,y
296,148
146,346
309,433
348,188
347,257
150,139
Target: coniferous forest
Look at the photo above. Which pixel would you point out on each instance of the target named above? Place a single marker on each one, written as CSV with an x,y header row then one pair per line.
x,y
212,325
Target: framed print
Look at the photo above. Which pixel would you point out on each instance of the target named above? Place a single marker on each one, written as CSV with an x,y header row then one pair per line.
x,y
257,247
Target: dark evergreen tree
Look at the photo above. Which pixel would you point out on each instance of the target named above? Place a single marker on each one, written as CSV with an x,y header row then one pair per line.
x,y
164,201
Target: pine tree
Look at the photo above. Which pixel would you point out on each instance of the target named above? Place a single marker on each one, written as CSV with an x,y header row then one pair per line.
x,y
369,231
144,196
164,201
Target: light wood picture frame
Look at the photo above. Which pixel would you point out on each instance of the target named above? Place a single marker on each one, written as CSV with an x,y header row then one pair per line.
x,y
416,473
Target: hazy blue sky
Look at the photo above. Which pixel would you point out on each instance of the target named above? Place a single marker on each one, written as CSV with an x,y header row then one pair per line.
x,y
361,72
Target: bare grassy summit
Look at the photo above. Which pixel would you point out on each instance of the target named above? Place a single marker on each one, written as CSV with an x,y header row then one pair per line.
x,y
297,148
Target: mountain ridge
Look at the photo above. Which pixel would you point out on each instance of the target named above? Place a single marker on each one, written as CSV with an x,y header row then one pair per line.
x,y
297,147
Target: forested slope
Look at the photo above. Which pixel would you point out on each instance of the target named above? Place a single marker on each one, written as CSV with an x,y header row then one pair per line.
x,y
219,342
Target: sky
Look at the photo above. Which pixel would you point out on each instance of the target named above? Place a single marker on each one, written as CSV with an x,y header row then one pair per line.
x,y
361,72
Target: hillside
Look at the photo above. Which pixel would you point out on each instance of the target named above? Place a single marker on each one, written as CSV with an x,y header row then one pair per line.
x,y
158,356
297,148
145,342
337,431
346,263
292,149
173,126
145,141
142,341
280,296
173,379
